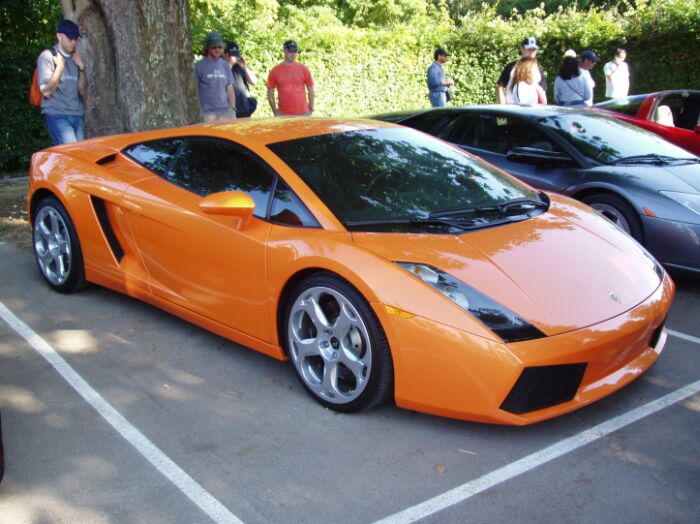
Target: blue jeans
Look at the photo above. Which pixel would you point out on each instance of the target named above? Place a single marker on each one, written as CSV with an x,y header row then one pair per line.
x,y
437,98
65,128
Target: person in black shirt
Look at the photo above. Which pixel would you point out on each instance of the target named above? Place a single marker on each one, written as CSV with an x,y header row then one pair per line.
x,y
528,49
242,77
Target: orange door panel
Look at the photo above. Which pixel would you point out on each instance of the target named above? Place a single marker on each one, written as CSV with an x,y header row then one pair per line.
x,y
198,261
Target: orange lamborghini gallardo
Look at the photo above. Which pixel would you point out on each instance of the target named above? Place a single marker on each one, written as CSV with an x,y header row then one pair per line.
x,y
382,262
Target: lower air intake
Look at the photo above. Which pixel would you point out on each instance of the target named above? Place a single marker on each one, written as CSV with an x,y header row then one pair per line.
x,y
544,386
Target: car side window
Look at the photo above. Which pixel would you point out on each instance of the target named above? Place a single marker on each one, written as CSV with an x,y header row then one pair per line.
x,y
685,108
156,155
287,208
500,134
426,122
460,130
206,165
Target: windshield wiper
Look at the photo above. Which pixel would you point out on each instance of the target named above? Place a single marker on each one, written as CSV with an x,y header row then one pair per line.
x,y
523,204
460,223
652,158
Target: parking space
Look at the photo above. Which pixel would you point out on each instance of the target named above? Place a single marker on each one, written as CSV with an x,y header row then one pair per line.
x,y
240,426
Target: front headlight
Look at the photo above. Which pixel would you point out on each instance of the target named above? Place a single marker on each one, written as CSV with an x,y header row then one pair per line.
x,y
688,200
498,318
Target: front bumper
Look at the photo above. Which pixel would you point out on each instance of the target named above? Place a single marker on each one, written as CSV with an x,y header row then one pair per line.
x,y
674,244
445,371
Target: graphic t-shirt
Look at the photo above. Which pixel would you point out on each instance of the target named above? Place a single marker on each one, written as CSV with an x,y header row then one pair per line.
x,y
213,76
290,80
65,99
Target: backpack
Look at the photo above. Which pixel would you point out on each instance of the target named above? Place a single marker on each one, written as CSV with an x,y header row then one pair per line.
x,y
35,94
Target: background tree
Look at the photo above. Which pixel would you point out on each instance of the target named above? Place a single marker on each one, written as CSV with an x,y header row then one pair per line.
x,y
138,56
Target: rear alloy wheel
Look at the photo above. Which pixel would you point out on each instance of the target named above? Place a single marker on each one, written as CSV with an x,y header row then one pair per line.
x,y
336,345
618,212
56,247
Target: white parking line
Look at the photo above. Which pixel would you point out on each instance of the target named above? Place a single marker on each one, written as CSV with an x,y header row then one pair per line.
x,y
525,464
186,484
678,334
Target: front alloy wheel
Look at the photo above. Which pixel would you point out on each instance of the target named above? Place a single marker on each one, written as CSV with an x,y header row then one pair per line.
x,y
338,350
56,246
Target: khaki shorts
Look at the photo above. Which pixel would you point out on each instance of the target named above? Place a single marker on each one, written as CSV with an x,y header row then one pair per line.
x,y
215,117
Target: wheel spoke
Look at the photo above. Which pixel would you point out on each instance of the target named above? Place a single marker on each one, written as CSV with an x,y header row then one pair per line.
x,y
45,257
305,347
316,314
345,321
60,266
355,366
330,378
44,231
55,226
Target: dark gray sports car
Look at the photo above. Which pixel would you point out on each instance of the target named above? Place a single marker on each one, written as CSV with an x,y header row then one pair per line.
x,y
646,185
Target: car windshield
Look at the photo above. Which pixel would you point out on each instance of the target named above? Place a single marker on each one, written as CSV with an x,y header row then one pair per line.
x,y
390,174
610,141
628,105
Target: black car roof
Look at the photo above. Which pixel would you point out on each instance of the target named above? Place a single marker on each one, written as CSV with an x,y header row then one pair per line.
x,y
539,111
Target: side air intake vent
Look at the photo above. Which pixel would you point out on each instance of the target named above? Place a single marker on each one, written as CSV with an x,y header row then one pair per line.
x,y
544,386
107,159
107,229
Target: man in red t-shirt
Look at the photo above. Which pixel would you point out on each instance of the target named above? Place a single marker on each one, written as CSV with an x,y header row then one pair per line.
x,y
293,82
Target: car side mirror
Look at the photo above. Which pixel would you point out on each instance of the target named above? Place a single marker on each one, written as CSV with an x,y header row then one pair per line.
x,y
538,157
230,203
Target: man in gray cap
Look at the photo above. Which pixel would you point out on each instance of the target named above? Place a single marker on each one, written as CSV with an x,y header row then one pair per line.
x,y
62,80
215,80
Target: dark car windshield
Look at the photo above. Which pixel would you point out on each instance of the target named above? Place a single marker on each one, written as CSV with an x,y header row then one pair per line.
x,y
628,105
397,173
608,140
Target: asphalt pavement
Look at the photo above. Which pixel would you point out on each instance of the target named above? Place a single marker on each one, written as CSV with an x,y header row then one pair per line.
x,y
231,431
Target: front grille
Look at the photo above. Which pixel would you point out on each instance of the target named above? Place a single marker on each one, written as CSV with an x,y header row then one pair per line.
x,y
543,386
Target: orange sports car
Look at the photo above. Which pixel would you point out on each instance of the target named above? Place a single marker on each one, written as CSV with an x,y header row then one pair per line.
x,y
382,262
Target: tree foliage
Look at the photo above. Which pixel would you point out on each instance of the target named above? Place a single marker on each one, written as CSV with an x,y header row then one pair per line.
x,y
371,56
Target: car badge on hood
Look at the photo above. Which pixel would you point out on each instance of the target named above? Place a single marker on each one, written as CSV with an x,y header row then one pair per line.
x,y
614,296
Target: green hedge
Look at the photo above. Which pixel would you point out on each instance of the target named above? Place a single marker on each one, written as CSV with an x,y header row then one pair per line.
x,y
376,68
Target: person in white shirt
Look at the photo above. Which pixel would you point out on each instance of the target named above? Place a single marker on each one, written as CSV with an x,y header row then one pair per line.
x,y
525,83
588,61
617,76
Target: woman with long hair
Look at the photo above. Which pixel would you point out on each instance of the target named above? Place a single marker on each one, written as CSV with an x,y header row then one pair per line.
x,y
570,87
524,85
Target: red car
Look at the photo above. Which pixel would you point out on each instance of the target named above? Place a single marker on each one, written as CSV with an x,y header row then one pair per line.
x,y
673,115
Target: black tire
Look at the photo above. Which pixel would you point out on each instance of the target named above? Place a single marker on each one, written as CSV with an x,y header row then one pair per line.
x,y
353,351
56,247
619,212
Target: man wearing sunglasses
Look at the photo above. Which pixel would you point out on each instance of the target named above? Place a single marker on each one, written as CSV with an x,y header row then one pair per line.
x,y
216,96
293,82
62,80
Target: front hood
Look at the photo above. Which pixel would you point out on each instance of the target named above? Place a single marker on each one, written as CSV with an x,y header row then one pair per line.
x,y
688,173
563,270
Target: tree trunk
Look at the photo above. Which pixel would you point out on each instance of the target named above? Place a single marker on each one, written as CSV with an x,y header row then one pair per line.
x,y
139,63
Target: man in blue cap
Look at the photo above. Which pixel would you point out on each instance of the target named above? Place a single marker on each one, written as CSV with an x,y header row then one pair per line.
x,y
62,80
588,61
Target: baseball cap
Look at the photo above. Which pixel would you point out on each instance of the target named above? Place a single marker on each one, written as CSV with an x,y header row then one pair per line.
x,y
290,45
529,43
69,28
590,55
214,40
233,49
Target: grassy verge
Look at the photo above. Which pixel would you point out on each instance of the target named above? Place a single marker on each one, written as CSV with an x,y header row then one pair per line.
x,y
14,226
